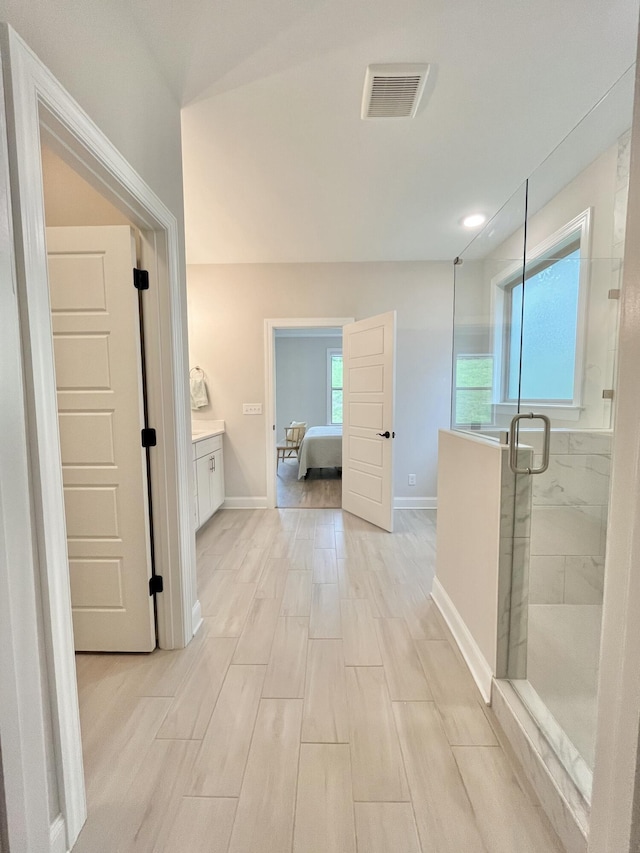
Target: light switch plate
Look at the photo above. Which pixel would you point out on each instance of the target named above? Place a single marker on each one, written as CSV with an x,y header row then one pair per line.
x,y
252,408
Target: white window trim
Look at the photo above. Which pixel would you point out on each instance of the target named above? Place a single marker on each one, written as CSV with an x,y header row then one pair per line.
x,y
579,226
331,351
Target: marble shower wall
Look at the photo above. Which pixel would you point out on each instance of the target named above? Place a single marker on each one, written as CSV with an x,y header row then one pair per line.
x,y
569,518
513,570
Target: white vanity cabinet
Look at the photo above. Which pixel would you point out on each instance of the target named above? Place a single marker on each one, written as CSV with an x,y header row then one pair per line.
x,y
208,477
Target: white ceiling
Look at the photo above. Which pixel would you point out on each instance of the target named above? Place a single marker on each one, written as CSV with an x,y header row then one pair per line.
x,y
278,164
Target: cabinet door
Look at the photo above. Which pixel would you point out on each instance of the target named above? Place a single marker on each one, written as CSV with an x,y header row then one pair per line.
x,y
196,516
217,481
203,479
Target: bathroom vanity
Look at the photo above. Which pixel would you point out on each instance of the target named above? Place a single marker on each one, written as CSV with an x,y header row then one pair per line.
x,y
208,470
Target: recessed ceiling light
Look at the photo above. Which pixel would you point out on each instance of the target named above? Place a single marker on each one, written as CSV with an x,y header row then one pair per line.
x,y
474,220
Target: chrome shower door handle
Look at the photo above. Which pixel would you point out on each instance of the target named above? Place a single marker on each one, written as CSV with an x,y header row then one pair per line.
x,y
513,447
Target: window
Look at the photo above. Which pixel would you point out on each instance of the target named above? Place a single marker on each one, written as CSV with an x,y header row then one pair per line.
x,y
541,321
334,386
473,391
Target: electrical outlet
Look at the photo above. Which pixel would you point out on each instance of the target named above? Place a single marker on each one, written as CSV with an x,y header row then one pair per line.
x,y
412,479
252,408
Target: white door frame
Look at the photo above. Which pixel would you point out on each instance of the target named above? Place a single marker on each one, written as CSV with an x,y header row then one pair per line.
x,y
37,645
615,801
270,327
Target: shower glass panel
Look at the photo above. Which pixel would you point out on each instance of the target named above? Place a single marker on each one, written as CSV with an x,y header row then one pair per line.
x,y
535,333
565,314
478,331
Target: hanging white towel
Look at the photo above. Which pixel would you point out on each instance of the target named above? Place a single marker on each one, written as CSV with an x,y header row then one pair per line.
x,y
199,396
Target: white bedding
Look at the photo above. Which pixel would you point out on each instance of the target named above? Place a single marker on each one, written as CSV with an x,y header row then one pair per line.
x,y
321,448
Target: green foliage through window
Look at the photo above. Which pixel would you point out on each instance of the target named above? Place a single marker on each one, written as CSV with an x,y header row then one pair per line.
x,y
473,396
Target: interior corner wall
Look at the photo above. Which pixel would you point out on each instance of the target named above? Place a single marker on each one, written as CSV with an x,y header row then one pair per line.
x,y
301,380
94,50
227,306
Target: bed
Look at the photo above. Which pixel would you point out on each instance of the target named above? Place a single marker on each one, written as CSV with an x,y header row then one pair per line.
x,y
321,448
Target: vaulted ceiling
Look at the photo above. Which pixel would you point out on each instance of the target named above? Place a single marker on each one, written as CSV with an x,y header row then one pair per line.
x,y
278,164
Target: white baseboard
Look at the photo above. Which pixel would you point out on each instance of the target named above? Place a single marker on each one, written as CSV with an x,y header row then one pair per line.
x,y
58,836
398,503
245,503
196,616
480,669
415,503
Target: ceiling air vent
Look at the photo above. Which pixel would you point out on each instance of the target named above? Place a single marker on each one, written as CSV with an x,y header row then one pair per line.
x,y
393,91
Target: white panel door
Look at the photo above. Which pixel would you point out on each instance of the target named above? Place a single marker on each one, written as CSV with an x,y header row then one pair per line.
x,y
96,339
368,352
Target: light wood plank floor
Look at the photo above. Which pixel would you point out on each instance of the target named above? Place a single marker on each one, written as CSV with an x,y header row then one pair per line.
x,y
321,490
322,708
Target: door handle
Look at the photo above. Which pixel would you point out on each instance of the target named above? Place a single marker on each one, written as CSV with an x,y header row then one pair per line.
x,y
211,463
513,448
386,434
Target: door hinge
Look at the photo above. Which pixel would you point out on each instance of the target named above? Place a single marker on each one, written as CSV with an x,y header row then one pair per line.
x,y
614,293
607,394
156,584
140,279
148,435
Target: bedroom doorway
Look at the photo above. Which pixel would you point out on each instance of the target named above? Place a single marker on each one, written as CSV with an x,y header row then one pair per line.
x,y
303,365
308,381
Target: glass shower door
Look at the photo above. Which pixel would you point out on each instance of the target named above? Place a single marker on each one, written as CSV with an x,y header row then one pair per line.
x,y
559,373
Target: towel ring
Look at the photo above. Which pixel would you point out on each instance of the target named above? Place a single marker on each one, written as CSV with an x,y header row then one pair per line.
x,y
199,369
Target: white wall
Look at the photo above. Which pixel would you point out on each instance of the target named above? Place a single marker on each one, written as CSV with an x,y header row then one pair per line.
x,y
301,380
70,200
227,308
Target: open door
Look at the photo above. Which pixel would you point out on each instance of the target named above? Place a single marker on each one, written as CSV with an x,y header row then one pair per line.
x,y
368,352
96,339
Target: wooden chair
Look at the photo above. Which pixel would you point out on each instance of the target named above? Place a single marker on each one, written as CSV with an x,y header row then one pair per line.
x,y
293,436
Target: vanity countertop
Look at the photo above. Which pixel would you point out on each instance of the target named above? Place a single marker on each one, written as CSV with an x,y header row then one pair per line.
x,y
206,430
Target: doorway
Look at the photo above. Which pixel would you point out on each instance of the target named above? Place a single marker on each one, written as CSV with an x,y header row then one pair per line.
x,y
40,717
296,330
308,383
368,408
97,328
